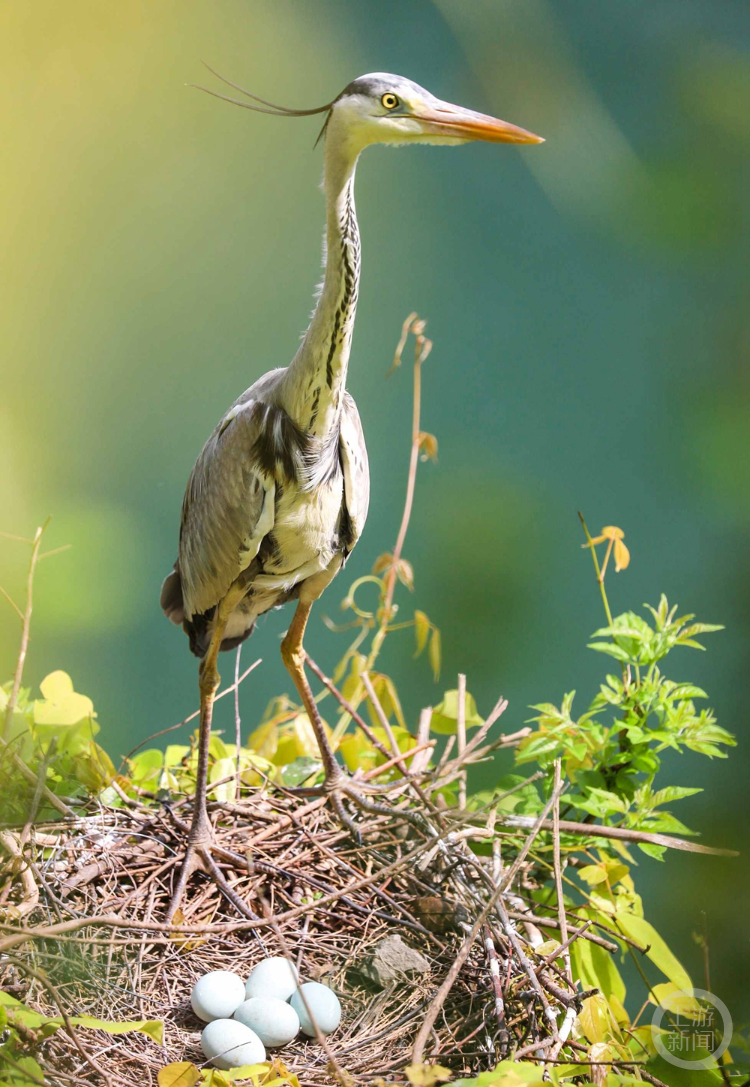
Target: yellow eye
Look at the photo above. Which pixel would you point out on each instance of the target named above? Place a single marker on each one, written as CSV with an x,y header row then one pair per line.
x,y
389,101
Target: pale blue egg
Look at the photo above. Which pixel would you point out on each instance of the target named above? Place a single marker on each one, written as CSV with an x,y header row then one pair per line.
x,y
274,976
274,1021
324,1007
217,995
229,1044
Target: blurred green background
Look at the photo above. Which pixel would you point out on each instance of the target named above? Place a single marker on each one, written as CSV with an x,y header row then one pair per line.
x,y
589,302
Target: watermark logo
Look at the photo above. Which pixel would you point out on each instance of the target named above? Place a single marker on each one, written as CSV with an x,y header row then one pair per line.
x,y
691,1028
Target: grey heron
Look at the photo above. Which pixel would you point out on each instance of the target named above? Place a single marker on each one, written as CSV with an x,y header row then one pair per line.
x,y
278,496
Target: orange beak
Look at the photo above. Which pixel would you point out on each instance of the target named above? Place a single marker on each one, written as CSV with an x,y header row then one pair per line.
x,y
464,124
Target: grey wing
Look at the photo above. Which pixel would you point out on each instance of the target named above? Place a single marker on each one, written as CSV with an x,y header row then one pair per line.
x,y
356,468
227,510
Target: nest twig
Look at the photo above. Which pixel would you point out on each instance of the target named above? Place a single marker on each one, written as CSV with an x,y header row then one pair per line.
x,y
93,940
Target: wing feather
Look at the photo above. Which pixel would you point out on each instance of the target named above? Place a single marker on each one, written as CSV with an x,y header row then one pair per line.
x,y
227,510
356,468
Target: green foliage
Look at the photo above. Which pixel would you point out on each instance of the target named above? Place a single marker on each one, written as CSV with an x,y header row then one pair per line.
x,y
25,1029
54,736
611,752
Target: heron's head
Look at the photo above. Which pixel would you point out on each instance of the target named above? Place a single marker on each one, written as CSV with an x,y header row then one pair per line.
x,y
383,108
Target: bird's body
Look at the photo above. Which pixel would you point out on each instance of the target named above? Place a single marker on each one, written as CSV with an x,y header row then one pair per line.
x,y
279,494
290,508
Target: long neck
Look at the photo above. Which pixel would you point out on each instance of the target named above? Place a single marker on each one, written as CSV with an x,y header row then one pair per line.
x,y
315,381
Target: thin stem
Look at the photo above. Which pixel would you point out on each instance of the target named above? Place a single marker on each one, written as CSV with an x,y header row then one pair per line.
x,y
461,738
558,871
599,574
422,348
237,720
25,631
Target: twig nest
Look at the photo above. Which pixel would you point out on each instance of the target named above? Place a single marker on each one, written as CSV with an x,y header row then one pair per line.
x,y
229,1044
274,976
324,1008
273,1020
217,995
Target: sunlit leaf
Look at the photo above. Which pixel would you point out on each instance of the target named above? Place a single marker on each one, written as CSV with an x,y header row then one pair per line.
x,y
421,631
646,935
61,706
622,556
181,1074
428,446
595,1019
444,718
435,653
224,768
427,1075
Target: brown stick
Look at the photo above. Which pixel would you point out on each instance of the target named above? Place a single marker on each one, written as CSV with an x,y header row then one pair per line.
x,y
445,988
558,871
598,831
25,631
497,986
461,738
540,822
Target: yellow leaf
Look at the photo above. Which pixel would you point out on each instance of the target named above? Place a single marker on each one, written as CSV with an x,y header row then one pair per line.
x,y
595,1019
427,1075
405,573
265,740
428,445
56,686
296,738
61,705
612,532
435,654
353,682
421,630
382,563
358,752
387,696
622,556
646,935
224,768
593,874
445,716
181,1074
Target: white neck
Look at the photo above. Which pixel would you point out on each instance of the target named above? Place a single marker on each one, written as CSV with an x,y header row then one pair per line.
x,y
314,383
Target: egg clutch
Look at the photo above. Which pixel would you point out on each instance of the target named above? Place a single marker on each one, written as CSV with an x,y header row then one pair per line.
x,y
269,1009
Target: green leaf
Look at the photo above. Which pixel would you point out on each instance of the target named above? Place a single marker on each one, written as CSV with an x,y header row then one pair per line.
x,y
656,852
593,874
611,649
435,653
181,1074
646,935
421,631
61,706
19,1012
445,716
224,768
146,764
670,793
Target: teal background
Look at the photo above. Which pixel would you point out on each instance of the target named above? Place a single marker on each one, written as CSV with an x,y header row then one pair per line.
x,y
588,301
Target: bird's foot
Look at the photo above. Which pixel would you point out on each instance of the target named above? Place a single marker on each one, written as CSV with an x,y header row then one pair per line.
x,y
198,858
340,786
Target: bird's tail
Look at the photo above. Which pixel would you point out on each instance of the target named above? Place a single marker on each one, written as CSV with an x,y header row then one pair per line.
x,y
171,597
198,628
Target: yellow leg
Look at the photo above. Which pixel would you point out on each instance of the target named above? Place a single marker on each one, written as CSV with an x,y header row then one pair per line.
x,y
200,834
293,655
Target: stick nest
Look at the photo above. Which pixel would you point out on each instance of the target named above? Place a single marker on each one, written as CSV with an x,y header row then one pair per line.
x,y
84,929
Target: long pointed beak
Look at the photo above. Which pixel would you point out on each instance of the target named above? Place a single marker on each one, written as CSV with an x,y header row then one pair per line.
x,y
444,119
